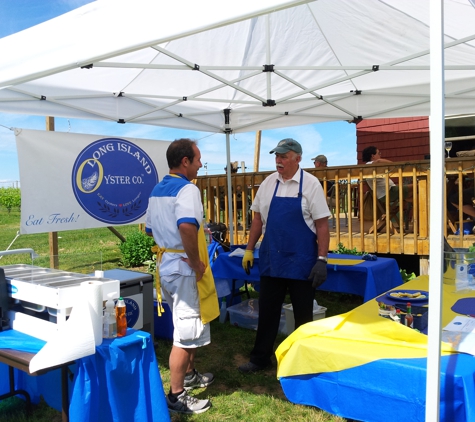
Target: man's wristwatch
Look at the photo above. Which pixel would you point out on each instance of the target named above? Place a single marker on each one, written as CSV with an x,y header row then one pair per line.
x,y
322,258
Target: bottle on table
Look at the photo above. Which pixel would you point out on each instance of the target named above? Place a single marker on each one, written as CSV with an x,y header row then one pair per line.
x,y
398,315
121,318
110,323
409,320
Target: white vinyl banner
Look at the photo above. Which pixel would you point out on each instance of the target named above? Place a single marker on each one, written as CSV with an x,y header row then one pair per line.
x,y
73,181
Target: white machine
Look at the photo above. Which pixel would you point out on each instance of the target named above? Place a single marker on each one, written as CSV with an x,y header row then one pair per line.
x,y
37,290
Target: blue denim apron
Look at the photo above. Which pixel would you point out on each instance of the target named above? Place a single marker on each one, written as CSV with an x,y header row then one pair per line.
x,y
289,248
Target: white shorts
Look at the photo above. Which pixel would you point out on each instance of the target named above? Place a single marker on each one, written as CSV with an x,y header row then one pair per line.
x,y
181,294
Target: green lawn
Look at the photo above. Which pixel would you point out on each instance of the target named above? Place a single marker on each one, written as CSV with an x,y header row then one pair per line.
x,y
79,250
235,397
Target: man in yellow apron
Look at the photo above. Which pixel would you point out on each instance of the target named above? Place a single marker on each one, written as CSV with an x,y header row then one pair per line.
x,y
174,217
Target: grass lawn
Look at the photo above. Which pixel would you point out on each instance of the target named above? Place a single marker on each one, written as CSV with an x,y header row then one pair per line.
x,y
235,397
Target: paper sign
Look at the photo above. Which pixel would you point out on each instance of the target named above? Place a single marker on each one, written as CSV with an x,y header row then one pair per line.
x,y
461,324
460,334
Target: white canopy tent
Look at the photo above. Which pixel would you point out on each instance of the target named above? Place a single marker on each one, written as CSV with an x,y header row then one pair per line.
x,y
202,66
143,62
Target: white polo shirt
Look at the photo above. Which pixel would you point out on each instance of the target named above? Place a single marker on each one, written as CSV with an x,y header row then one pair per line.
x,y
314,204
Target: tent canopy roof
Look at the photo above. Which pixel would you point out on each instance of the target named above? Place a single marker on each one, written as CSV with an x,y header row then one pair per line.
x,y
305,62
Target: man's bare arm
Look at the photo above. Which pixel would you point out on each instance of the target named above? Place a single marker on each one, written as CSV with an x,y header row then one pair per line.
x,y
323,236
189,238
256,231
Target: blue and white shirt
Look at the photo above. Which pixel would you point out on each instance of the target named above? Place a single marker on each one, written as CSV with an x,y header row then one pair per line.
x,y
175,200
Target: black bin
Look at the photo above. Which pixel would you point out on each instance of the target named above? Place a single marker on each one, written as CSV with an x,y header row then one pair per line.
x,y
137,290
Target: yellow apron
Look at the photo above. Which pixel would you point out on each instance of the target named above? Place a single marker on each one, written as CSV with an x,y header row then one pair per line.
x,y
209,306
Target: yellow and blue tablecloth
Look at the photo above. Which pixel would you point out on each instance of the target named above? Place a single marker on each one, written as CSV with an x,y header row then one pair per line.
x,y
361,366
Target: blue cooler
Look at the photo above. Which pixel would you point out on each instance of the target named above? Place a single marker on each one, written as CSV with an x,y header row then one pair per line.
x,y
163,325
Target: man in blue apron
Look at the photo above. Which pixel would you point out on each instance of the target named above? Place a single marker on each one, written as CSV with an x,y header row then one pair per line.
x,y
292,213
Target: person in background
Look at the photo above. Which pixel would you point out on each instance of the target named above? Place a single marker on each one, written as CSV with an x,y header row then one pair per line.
x,y
468,198
372,155
291,212
174,218
321,161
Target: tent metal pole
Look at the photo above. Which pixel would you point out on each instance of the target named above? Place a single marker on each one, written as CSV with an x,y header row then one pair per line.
x,y
230,189
52,236
437,166
126,65
208,73
268,58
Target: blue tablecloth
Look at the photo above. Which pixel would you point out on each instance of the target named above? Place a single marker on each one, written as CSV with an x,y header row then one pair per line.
x,y
120,382
367,279
228,268
47,385
389,390
11,339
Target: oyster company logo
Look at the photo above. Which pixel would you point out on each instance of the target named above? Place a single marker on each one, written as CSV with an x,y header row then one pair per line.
x,y
132,311
112,180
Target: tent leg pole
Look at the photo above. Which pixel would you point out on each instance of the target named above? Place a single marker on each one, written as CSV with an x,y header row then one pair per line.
x,y
230,189
436,244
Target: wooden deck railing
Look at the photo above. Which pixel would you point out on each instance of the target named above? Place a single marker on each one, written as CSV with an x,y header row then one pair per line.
x,y
408,230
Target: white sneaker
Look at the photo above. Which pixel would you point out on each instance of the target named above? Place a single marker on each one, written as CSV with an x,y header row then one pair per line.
x,y
188,404
197,380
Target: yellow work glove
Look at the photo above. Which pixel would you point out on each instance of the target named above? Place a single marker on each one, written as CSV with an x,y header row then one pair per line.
x,y
248,261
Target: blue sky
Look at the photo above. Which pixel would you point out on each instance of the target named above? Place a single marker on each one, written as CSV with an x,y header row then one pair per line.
x,y
337,140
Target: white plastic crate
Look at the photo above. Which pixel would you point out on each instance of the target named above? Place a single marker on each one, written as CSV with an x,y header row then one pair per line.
x,y
246,315
319,312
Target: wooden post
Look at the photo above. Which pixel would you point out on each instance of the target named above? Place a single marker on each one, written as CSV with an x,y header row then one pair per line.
x,y
257,151
122,238
52,236
423,217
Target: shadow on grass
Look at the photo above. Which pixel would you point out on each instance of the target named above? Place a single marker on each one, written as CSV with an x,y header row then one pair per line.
x,y
236,396
13,409
247,397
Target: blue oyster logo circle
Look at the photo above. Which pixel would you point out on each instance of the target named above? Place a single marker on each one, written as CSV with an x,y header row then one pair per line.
x,y
132,310
112,179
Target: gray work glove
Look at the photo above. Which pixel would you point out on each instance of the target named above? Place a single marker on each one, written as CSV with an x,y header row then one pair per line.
x,y
318,274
